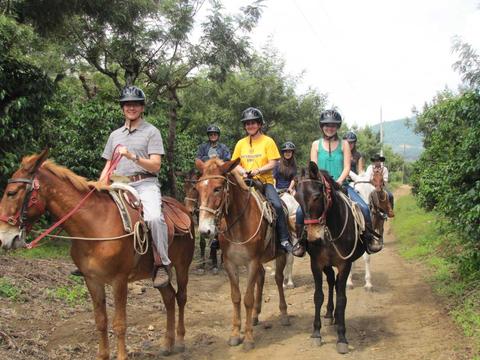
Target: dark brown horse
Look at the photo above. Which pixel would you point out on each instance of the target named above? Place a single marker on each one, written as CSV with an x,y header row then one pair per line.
x,y
191,203
333,240
379,204
114,262
228,207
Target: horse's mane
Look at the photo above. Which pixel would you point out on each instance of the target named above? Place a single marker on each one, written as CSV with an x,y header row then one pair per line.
x,y
214,163
326,175
79,182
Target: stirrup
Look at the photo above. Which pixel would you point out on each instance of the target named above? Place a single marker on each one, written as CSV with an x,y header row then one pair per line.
x,y
298,249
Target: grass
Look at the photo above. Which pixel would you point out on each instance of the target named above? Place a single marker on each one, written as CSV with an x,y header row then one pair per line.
x,y
48,249
9,290
421,238
72,294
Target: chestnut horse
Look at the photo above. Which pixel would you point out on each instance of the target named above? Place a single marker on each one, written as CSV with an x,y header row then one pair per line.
x,y
114,262
379,203
332,240
228,207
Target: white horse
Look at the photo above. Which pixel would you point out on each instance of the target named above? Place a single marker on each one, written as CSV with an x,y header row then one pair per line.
x,y
362,185
292,206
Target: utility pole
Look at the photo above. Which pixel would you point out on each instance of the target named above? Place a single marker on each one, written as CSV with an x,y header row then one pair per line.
x,y
403,165
381,132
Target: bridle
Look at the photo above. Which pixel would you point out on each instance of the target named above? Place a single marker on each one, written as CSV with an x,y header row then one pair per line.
x,y
222,208
31,199
327,200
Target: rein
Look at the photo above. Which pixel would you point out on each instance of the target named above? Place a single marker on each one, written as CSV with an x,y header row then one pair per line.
x,y
327,200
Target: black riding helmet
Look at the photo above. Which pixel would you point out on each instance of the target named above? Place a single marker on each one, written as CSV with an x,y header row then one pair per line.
x,y
252,113
213,129
350,137
288,146
132,93
330,117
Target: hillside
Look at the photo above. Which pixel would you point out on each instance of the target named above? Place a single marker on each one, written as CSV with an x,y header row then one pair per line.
x,y
398,135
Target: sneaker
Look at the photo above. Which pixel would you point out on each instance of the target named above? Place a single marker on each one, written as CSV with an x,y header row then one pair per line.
x,y
76,272
286,246
161,277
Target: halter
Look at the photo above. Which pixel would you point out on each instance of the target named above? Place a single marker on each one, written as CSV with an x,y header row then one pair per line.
x,y
222,208
327,200
31,199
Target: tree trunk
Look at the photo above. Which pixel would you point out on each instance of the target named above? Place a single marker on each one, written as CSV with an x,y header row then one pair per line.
x,y
172,132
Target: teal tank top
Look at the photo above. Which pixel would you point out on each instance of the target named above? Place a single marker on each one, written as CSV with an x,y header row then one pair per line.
x,y
332,162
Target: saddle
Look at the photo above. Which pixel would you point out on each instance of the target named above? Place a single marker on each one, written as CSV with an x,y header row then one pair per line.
x,y
177,218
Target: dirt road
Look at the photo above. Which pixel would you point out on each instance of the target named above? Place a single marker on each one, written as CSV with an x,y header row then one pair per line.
x,y
400,319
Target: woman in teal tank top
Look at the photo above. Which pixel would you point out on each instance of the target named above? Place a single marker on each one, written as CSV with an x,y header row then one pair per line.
x,y
332,154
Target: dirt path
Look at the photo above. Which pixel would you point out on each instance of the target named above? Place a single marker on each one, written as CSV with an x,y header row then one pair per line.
x,y
400,319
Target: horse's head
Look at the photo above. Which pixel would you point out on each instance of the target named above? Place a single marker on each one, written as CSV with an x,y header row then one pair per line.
x,y
191,193
212,188
314,194
377,179
21,204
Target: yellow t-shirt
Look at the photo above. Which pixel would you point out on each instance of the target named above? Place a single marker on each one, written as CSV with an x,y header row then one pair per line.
x,y
256,155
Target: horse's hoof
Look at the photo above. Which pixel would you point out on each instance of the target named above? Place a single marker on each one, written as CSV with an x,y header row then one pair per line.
x,y
165,352
350,286
248,345
329,320
180,348
342,348
289,286
285,321
255,321
234,341
200,271
215,270
368,288
317,341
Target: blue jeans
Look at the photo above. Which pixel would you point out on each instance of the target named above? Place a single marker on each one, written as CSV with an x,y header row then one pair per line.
x,y
281,226
352,194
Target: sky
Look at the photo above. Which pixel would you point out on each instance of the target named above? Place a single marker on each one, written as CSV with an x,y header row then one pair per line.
x,y
373,57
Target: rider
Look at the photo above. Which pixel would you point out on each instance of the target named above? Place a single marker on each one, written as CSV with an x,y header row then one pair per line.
x,y
258,155
378,165
213,148
142,149
206,151
286,169
357,162
333,155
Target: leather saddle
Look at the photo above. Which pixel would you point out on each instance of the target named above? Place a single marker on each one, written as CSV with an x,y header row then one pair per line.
x,y
177,218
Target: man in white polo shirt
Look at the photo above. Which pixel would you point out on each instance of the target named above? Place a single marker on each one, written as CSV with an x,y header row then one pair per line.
x,y
142,150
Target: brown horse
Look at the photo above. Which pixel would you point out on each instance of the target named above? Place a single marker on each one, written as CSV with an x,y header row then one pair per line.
x,y
114,262
333,240
228,207
379,204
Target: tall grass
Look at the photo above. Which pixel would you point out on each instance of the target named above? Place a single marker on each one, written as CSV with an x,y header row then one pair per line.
x,y
426,237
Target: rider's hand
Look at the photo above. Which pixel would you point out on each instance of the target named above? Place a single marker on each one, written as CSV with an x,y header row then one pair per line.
x,y
123,150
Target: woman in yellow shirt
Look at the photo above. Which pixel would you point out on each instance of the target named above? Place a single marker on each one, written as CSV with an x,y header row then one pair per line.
x,y
258,155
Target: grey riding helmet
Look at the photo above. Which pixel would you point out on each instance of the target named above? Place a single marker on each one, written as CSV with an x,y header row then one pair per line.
x,y
330,117
350,137
252,113
288,146
132,93
213,129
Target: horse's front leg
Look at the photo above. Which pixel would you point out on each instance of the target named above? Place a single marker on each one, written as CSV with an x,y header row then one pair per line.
x,y
182,281
343,271
279,268
258,294
120,290
168,296
97,292
318,298
203,244
248,300
288,272
330,274
232,272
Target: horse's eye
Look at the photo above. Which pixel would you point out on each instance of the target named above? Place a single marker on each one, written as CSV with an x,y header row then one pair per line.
x,y
12,193
218,189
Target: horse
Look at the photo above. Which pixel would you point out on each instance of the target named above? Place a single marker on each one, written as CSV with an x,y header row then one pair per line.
x,y
191,203
291,205
229,208
40,185
364,187
379,203
332,240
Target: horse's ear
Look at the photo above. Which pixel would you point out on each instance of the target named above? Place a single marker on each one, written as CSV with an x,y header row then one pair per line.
x,y
199,164
228,166
36,162
313,170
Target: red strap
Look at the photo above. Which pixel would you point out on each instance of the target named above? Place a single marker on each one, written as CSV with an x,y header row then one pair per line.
x,y
113,164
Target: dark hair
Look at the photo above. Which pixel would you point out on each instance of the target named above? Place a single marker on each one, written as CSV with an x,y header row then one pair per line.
x,y
287,167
